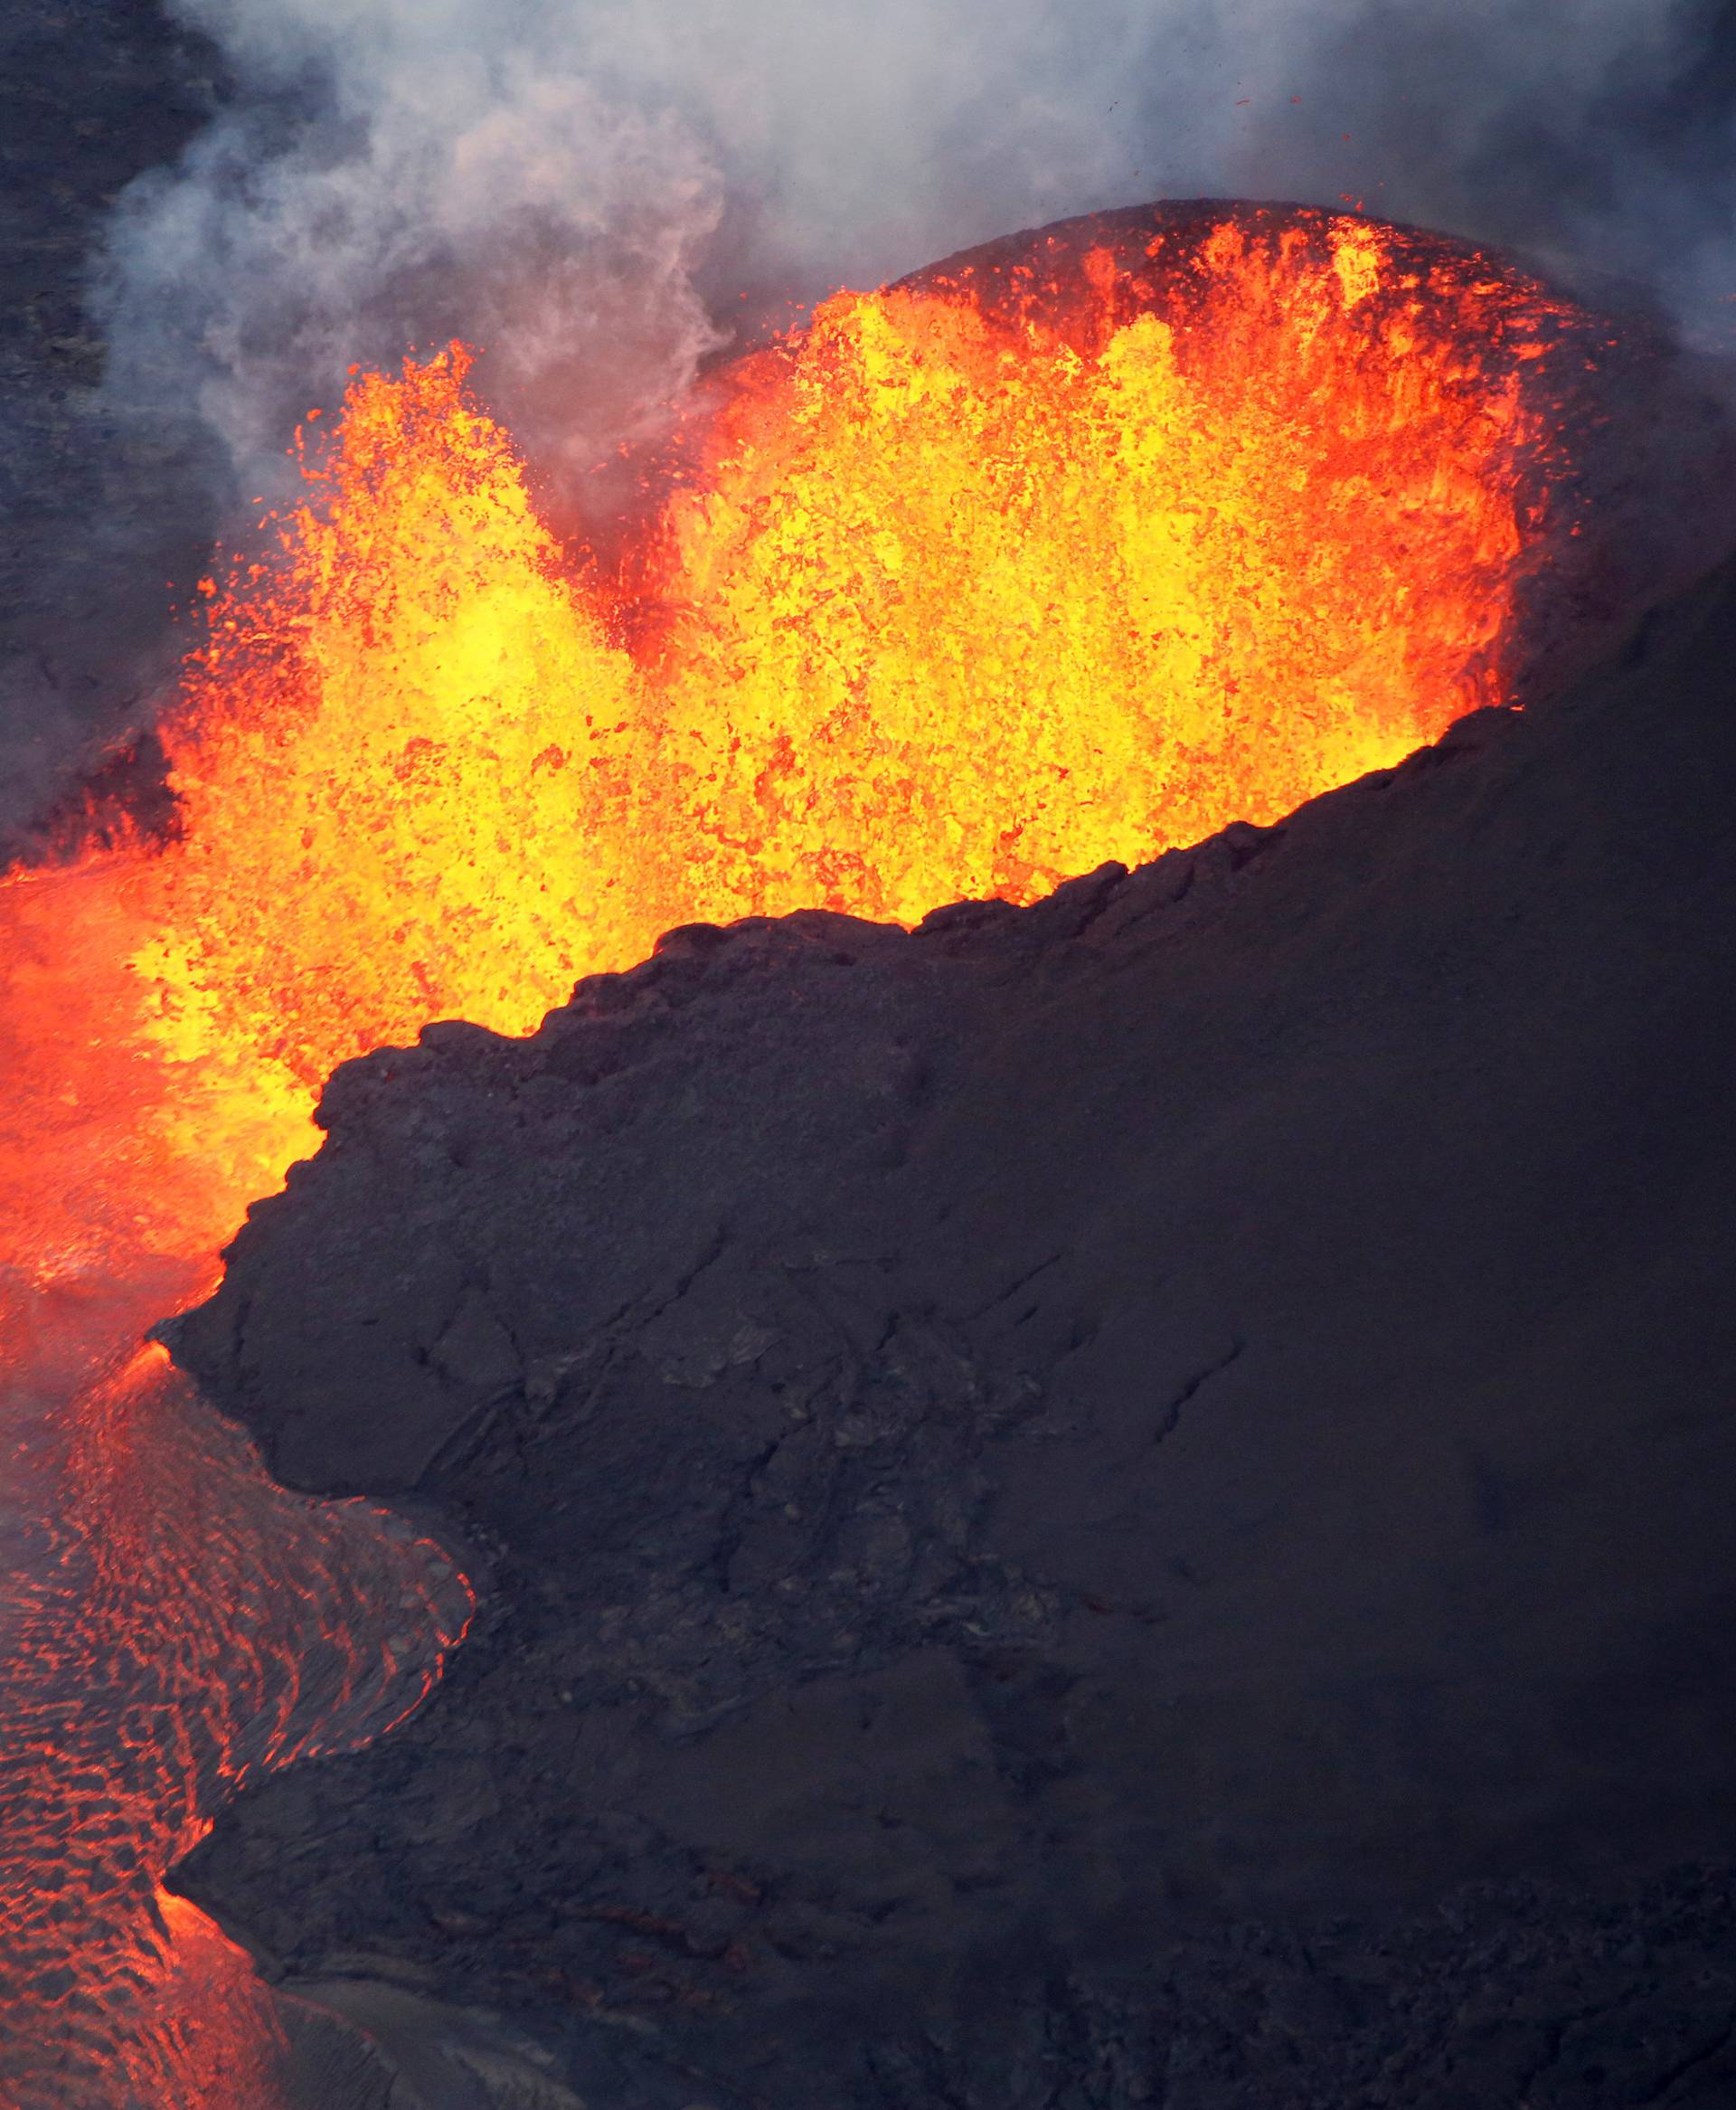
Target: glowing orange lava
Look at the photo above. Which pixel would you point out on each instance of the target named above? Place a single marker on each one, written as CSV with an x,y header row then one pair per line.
x,y
957,595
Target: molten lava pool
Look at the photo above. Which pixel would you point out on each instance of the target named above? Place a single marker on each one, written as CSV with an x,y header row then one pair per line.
x,y
1079,548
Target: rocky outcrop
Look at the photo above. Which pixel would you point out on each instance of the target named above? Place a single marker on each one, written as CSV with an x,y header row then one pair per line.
x,y
1123,1502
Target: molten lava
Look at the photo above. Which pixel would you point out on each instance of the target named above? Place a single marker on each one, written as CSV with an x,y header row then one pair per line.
x,y
970,586
951,606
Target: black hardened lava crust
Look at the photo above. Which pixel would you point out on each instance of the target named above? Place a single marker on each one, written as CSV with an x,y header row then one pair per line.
x,y
1126,1502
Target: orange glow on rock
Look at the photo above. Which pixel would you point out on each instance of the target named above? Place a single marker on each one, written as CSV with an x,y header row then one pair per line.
x,y
962,590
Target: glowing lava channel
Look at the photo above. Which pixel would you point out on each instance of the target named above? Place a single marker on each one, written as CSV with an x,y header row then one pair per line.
x,y
953,599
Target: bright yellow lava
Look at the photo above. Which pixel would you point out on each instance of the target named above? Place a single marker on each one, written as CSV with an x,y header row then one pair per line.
x,y
952,605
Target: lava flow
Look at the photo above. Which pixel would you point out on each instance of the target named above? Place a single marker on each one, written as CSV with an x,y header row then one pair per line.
x,y
1069,554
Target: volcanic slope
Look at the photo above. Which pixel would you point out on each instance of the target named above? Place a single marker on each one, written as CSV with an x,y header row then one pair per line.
x,y
1127,1502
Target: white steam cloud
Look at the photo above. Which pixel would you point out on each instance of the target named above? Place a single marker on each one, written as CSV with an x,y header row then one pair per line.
x,y
585,190
588,189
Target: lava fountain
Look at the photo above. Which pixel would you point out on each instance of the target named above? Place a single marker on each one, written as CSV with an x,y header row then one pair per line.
x,y
1074,550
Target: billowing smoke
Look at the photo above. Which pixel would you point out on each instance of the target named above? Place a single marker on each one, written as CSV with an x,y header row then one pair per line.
x,y
586,188
597,193
1599,138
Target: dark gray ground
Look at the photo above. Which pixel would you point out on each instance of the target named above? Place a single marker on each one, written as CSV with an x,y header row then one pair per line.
x,y
1054,1489
98,512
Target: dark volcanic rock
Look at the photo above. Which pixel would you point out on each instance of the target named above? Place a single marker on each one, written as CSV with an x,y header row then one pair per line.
x,y
1127,1502
98,507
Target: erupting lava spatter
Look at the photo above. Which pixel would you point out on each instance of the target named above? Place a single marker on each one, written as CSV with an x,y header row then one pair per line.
x,y
962,589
